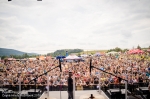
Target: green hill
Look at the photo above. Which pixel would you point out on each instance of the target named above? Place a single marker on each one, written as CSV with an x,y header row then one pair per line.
x,y
8,52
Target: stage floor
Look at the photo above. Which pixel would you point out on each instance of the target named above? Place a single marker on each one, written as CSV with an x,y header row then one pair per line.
x,y
64,94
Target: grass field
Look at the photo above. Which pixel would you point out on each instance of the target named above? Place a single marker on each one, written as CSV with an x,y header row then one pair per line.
x,y
93,52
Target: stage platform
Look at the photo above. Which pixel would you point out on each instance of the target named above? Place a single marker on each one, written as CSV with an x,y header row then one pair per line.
x,y
82,94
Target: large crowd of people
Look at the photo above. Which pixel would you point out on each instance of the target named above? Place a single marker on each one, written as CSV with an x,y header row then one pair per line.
x,y
134,68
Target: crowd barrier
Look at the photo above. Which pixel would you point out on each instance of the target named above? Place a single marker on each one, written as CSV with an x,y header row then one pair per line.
x,y
51,87
131,87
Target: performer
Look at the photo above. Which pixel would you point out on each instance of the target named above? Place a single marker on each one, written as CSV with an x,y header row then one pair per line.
x,y
70,86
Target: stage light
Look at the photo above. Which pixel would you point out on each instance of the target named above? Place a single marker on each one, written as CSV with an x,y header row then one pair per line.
x,y
9,0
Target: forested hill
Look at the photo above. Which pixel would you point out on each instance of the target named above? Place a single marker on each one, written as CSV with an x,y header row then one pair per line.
x,y
63,52
8,52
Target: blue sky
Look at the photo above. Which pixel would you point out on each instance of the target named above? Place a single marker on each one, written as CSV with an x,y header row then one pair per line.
x,y
47,25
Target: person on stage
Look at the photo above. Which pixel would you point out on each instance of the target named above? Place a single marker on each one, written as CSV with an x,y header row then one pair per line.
x,y
70,86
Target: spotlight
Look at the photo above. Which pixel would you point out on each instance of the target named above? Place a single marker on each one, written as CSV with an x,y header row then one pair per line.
x,y
9,0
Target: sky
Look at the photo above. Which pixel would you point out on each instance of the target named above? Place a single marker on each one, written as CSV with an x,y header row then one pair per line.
x,y
48,25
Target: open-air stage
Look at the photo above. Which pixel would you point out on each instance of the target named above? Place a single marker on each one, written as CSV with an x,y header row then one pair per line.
x,y
83,94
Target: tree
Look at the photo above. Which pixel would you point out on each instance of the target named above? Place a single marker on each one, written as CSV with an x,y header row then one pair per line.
x,y
138,47
3,57
117,49
125,50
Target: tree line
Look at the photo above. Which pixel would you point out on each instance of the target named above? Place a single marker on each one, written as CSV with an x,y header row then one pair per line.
x,y
18,56
64,51
117,49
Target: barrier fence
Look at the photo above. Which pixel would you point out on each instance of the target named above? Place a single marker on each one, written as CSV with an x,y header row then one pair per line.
x,y
131,87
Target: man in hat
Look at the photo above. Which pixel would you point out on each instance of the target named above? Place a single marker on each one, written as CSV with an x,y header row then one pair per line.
x,y
70,86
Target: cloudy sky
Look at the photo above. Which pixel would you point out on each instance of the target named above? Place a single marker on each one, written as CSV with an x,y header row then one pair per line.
x,y
48,25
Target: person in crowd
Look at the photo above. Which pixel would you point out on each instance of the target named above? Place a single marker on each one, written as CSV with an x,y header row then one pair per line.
x,y
106,85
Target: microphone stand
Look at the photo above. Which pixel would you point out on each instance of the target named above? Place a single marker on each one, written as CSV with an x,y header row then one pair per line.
x,y
60,87
35,79
119,78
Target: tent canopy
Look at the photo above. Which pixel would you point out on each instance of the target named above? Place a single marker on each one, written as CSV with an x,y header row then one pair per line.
x,y
97,54
72,57
148,50
41,58
11,59
135,51
60,57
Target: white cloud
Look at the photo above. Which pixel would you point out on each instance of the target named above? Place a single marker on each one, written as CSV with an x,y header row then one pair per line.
x,y
42,27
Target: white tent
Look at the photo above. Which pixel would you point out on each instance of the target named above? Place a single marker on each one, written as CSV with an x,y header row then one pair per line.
x,y
72,57
32,59
97,54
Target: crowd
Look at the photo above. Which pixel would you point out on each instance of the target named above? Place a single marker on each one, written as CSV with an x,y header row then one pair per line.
x,y
129,67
